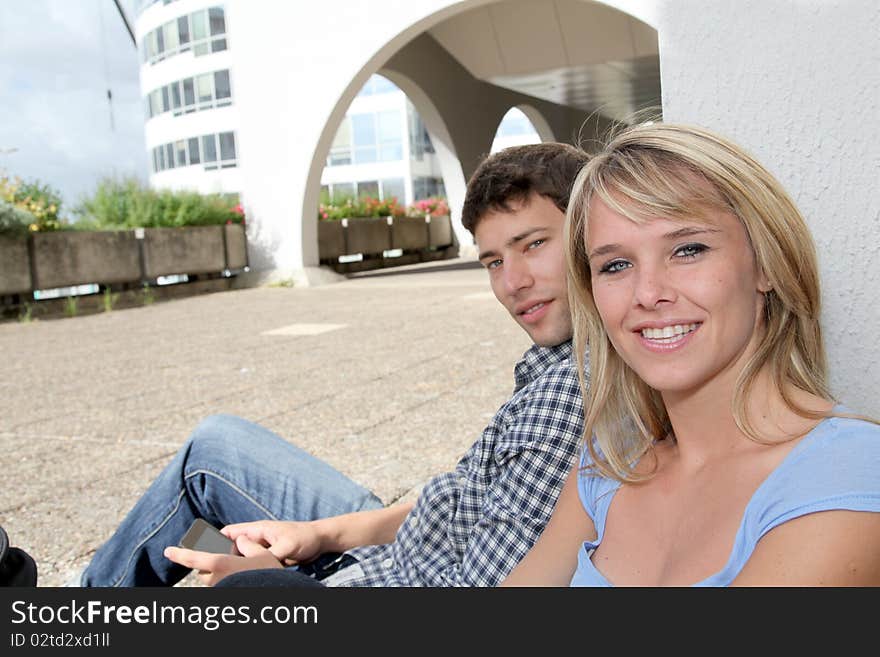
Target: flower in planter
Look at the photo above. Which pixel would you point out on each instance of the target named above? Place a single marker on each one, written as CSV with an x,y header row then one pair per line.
x,y
435,205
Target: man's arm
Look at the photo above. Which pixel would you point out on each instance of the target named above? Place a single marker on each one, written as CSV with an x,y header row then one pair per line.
x,y
553,559
274,543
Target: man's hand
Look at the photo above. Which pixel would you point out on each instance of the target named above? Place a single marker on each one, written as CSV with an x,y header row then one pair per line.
x,y
290,542
213,567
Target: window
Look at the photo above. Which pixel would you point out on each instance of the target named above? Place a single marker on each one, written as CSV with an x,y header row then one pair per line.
x,y
368,188
390,137
196,150
340,150
202,32
193,147
427,187
203,92
209,148
393,188
227,146
180,151
363,127
221,86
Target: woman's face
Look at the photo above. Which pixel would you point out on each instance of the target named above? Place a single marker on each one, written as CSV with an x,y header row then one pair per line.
x,y
681,301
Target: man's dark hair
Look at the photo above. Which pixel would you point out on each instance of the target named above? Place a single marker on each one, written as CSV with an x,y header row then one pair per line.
x,y
517,172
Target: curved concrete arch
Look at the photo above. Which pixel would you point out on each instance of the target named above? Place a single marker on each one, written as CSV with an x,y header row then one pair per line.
x,y
450,166
539,123
454,148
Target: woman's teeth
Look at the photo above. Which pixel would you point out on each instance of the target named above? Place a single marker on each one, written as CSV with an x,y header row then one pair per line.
x,y
668,333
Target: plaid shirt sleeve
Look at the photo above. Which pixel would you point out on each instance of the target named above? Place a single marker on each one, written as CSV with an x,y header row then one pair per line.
x,y
526,457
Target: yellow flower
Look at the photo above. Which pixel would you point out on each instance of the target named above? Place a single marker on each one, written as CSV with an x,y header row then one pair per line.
x,y
33,228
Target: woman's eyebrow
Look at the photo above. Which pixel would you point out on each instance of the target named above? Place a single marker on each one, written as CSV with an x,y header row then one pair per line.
x,y
685,231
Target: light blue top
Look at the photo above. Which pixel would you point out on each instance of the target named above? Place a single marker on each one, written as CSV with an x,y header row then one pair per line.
x,y
835,466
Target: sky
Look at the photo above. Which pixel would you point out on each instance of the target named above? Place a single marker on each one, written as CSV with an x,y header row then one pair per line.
x,y
57,60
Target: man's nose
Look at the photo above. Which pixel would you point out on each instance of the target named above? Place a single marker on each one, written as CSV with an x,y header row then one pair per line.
x,y
517,275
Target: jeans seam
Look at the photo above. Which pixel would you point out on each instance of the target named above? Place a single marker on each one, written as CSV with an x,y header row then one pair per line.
x,y
241,492
148,537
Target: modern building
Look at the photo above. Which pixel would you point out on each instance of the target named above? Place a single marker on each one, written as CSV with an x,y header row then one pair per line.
x,y
795,82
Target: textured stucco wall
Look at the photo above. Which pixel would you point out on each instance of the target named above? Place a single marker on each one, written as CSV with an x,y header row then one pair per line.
x,y
798,84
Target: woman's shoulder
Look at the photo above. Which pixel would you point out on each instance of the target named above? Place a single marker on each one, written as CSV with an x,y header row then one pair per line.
x,y
833,466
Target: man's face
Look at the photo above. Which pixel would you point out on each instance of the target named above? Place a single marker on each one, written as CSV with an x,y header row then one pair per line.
x,y
523,252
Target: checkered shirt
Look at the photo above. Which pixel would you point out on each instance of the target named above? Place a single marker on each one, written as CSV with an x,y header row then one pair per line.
x,y
470,527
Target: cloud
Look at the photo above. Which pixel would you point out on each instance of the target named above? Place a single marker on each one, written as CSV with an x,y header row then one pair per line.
x,y
58,65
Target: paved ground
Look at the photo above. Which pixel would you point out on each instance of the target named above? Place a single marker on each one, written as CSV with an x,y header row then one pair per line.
x,y
389,377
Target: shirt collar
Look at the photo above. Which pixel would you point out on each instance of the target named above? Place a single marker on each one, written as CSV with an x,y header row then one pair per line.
x,y
536,360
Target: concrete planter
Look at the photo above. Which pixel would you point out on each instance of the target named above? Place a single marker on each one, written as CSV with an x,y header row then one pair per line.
x,y
186,250
331,240
409,233
369,235
15,269
440,231
71,258
67,258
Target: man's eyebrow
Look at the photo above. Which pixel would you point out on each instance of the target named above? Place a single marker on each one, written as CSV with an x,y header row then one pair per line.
x,y
686,231
519,237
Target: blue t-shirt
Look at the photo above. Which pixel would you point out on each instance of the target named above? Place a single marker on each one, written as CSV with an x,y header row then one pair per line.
x,y
836,466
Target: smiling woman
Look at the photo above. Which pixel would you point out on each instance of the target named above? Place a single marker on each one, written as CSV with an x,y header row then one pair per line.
x,y
709,424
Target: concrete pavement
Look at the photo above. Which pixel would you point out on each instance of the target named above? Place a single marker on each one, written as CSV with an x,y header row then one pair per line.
x,y
389,376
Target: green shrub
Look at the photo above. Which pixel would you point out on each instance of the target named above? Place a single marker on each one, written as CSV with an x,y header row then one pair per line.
x,y
41,201
14,220
127,203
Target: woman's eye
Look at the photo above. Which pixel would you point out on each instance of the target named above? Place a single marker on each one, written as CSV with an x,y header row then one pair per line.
x,y
614,266
536,244
690,250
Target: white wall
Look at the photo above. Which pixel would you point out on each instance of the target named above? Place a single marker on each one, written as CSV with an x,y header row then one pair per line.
x,y
798,84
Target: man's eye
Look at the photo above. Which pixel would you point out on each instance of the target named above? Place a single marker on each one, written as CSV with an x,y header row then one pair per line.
x,y
493,264
614,266
690,250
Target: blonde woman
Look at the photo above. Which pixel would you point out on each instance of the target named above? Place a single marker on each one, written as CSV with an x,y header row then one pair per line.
x,y
714,453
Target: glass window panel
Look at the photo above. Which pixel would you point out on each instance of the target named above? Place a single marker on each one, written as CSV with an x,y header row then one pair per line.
x,y
343,135
175,94
338,157
169,155
205,86
160,157
363,130
391,152
189,95
165,104
155,159
160,41
390,128
227,146
194,151
393,188
180,149
365,154
343,190
218,44
202,49
169,31
209,148
221,84
218,23
368,188
199,25
183,29
156,101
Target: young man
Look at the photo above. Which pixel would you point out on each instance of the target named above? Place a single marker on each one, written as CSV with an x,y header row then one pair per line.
x,y
468,527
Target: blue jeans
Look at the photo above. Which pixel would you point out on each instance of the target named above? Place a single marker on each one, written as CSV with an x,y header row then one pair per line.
x,y
228,471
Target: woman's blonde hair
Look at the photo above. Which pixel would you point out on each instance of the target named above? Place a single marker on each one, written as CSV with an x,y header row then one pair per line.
x,y
676,172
